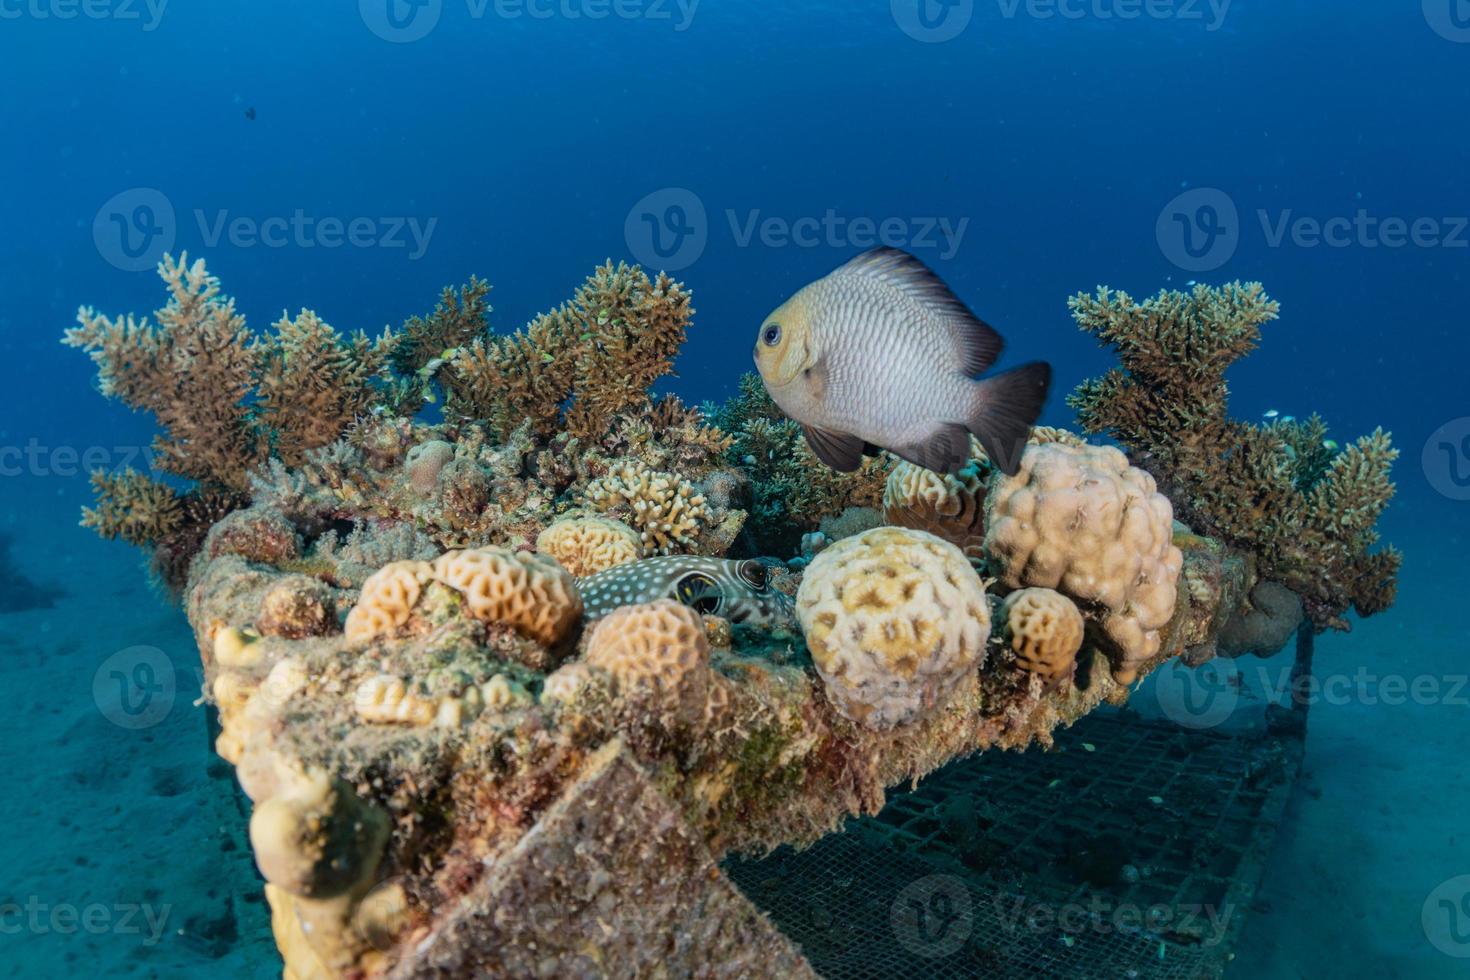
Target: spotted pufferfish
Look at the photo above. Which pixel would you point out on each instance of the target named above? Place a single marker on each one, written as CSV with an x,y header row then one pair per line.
x,y
737,590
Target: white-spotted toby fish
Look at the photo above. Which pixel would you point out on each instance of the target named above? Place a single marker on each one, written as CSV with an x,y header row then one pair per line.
x,y
739,591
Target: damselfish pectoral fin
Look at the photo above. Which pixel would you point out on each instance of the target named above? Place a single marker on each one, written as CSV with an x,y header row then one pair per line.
x,y
842,452
947,449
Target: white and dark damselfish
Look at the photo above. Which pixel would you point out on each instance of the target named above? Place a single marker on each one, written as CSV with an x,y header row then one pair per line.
x,y
881,354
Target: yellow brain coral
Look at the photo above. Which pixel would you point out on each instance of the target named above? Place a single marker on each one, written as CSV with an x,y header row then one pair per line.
x,y
951,507
657,653
588,545
531,593
1080,520
387,599
893,617
1044,629
666,511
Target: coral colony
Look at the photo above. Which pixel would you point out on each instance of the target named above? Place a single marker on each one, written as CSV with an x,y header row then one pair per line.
x,y
499,711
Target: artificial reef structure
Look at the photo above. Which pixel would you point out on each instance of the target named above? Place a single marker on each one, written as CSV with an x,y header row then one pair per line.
x,y
505,687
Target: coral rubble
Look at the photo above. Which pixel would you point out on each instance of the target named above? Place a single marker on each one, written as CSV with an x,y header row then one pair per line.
x,y
1281,492
504,687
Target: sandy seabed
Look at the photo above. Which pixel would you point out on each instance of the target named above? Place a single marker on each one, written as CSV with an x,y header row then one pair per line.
x,y
125,853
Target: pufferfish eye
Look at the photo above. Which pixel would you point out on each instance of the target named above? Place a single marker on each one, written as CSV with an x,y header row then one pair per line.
x,y
771,336
756,575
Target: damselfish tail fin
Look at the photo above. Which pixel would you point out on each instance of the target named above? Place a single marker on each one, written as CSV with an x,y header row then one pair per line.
x,y
1005,408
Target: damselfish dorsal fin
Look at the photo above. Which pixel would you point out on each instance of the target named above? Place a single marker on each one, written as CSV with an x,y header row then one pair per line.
x,y
976,344
843,453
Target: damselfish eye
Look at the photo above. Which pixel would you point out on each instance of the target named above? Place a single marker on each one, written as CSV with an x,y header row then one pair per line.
x,y
771,336
755,574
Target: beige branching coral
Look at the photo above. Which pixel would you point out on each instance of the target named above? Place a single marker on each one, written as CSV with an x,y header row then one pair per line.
x,y
666,511
588,545
893,619
1282,492
580,365
1080,520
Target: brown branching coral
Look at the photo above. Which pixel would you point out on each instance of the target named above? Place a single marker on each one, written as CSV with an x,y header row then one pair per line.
x,y
580,365
1283,492
133,508
312,383
225,398
194,370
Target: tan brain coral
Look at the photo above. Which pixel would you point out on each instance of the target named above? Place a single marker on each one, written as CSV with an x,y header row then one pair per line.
x,y
387,599
1080,520
893,618
1044,629
588,545
951,507
657,655
531,593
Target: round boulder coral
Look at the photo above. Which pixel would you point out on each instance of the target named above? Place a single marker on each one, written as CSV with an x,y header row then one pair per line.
x,y
1044,630
530,593
893,618
588,545
1080,520
657,654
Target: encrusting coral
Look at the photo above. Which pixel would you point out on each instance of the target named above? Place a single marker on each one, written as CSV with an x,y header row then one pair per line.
x,y
1281,492
503,688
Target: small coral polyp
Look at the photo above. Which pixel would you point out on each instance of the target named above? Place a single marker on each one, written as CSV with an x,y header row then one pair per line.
x,y
1080,520
893,618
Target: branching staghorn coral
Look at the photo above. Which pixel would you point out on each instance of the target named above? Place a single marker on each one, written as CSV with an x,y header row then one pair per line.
x,y
1282,492
194,371
580,365
426,343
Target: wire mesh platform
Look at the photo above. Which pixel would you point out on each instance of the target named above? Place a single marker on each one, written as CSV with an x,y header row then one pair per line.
x,y
1132,850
